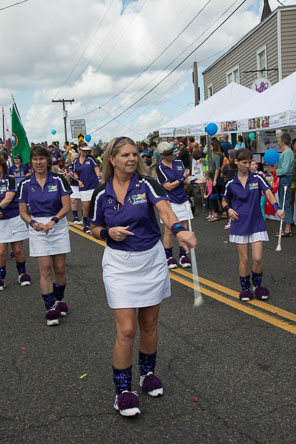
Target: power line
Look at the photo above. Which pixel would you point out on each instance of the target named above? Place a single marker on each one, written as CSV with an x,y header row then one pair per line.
x,y
173,70
14,4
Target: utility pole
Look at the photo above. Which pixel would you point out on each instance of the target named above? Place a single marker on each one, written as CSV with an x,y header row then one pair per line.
x,y
195,82
63,101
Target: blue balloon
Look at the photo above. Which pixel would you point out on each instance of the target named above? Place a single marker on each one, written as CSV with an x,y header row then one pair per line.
x,y
271,157
87,138
53,131
211,129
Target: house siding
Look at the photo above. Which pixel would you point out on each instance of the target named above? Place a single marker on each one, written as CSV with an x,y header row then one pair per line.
x,y
288,37
244,55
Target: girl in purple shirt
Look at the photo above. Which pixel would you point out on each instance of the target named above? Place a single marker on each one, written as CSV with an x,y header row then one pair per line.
x,y
242,201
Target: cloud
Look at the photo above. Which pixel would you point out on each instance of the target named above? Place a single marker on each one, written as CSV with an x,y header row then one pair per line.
x,y
89,50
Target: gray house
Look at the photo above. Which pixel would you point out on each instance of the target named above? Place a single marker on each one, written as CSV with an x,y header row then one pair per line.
x,y
262,57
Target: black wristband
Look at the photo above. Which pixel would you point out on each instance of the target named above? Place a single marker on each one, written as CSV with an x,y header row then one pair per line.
x,y
227,207
104,233
32,222
54,219
177,227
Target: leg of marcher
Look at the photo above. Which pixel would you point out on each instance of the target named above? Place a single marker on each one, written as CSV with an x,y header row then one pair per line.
x,y
168,246
244,273
59,285
261,293
3,257
45,266
23,277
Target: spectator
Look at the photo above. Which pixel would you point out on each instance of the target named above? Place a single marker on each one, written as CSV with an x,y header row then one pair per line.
x,y
240,143
226,145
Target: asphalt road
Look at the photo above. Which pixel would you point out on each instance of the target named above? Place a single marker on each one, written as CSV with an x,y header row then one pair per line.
x,y
229,374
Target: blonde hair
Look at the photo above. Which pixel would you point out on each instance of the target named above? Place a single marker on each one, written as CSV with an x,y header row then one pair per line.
x,y
112,150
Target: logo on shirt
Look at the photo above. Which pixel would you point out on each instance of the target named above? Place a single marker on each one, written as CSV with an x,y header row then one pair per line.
x,y
3,188
52,188
179,168
253,186
139,199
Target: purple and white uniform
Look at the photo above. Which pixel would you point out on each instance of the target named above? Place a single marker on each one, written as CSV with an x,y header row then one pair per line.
x,y
43,205
11,220
177,196
87,175
19,172
135,272
73,183
246,202
55,156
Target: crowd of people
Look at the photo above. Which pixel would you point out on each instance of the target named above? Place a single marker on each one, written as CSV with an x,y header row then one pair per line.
x,y
120,185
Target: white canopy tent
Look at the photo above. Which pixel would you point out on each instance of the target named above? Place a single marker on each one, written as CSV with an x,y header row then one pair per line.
x,y
194,121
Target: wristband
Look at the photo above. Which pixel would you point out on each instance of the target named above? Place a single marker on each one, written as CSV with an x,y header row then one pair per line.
x,y
227,207
104,233
32,222
275,206
177,227
54,219
182,179
99,178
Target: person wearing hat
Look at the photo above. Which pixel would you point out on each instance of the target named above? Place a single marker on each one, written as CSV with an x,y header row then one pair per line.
x,y
172,175
47,196
87,173
135,272
12,229
18,171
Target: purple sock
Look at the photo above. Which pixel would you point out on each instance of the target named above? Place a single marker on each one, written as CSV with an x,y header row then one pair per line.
x,y
147,362
21,267
182,252
58,291
257,279
75,213
245,282
168,252
85,221
122,379
3,272
48,300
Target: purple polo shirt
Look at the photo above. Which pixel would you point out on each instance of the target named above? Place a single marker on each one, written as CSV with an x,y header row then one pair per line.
x,y
46,202
73,182
22,170
55,156
86,173
137,212
246,202
166,174
8,184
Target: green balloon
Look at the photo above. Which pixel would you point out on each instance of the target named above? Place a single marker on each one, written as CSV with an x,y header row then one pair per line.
x,y
252,136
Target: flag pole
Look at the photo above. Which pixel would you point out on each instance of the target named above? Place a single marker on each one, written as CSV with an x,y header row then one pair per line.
x,y
3,124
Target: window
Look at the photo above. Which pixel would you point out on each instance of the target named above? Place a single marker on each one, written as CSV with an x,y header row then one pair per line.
x,y
210,90
261,62
232,75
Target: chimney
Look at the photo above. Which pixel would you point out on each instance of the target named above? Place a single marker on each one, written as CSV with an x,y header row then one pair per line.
x,y
266,10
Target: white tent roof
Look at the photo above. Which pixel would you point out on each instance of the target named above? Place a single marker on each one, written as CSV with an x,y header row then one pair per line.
x,y
196,119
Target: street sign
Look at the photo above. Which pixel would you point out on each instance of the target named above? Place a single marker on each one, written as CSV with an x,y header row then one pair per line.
x,y
80,137
77,126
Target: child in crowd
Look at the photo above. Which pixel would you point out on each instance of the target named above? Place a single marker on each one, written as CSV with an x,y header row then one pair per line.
x,y
254,169
242,201
209,205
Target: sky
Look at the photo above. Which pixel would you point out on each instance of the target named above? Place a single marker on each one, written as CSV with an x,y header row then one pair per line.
x,y
120,60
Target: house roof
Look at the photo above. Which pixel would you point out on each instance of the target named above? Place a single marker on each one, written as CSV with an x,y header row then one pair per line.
x,y
248,34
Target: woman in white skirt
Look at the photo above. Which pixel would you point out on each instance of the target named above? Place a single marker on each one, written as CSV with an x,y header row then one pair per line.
x,y
242,201
87,173
172,176
12,229
75,196
134,266
48,197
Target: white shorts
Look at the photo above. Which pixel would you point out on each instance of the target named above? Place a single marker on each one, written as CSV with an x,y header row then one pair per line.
x,y
180,211
249,238
57,241
75,192
7,226
136,279
86,196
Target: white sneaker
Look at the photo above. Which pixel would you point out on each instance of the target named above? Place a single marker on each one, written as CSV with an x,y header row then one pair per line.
x,y
172,263
185,262
151,385
2,284
24,279
127,403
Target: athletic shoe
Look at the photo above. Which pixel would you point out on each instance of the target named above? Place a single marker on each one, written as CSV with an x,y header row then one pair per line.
x,y
52,316
127,403
172,263
151,385
62,307
261,293
24,279
76,220
185,262
227,226
86,230
246,295
12,256
209,217
2,284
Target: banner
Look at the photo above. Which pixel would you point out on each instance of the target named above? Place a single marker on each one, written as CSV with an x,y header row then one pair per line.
x,y
20,144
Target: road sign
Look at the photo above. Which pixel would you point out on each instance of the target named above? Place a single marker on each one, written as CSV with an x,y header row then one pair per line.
x,y
77,126
80,137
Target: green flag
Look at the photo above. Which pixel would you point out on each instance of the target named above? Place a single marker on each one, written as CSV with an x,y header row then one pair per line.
x,y
20,144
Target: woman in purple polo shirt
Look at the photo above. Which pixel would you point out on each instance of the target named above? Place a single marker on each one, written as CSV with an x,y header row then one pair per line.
x,y
18,171
242,201
87,173
135,272
172,175
11,222
48,197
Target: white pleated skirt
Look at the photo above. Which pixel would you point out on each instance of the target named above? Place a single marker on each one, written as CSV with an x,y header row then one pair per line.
x,y
181,212
135,279
57,241
86,195
249,238
7,228
75,192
